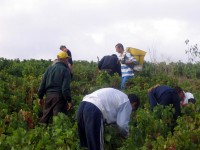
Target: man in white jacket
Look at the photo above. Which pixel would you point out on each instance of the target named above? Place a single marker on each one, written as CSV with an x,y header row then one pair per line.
x,y
108,106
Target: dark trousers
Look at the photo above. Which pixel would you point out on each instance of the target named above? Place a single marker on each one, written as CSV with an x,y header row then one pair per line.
x,y
90,126
54,104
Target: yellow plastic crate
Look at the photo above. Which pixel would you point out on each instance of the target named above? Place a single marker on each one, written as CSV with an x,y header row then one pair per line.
x,y
137,53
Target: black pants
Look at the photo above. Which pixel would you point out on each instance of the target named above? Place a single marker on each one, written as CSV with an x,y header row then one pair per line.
x,y
54,104
90,126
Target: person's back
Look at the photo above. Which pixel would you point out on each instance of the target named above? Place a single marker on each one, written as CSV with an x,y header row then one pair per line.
x,y
165,95
70,55
70,61
54,77
109,101
103,106
110,64
160,90
56,86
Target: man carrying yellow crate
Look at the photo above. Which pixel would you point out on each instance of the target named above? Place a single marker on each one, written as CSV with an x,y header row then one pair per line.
x,y
131,59
126,60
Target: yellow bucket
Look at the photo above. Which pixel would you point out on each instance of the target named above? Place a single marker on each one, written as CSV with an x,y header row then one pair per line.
x,y
137,53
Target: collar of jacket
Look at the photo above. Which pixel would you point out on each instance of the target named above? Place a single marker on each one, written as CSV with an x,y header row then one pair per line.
x,y
62,63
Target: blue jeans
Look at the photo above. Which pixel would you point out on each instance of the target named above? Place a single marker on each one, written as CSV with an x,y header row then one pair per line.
x,y
124,80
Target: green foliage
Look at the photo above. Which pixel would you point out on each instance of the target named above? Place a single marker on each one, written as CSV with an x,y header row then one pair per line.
x,y
149,129
61,134
105,80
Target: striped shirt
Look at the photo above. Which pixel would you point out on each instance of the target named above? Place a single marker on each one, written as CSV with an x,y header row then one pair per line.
x,y
127,70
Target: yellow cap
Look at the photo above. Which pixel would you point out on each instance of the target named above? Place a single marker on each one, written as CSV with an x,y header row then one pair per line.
x,y
62,55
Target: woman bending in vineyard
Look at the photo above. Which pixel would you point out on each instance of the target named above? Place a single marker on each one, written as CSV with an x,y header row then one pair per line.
x,y
108,106
56,85
165,95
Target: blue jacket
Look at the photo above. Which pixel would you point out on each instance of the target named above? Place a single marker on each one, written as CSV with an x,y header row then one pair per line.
x,y
165,95
156,93
110,62
70,55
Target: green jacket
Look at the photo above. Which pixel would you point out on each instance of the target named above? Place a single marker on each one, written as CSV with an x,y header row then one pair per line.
x,y
56,79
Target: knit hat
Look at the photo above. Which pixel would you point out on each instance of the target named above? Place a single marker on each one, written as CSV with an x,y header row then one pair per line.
x,y
62,55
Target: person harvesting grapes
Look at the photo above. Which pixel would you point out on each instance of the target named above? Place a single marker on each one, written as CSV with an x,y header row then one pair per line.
x,y
56,86
104,106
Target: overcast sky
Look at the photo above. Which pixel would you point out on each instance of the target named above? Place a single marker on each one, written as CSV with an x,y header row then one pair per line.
x,y
91,28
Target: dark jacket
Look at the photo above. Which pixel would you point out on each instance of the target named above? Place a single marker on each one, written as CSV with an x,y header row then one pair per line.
x,y
70,55
165,95
110,63
56,80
